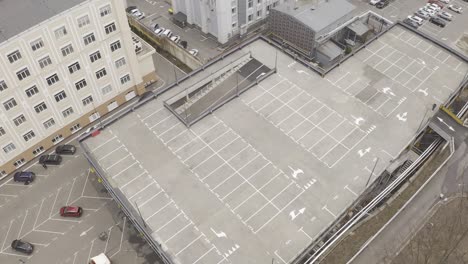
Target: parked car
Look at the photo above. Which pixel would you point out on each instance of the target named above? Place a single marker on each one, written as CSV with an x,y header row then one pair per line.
x,y
155,26
130,8
167,33
411,23
71,211
382,4
176,39
24,176
436,2
422,14
159,31
65,149
22,246
100,259
137,13
416,19
194,52
456,8
431,12
433,7
374,2
445,1
445,15
438,21
51,159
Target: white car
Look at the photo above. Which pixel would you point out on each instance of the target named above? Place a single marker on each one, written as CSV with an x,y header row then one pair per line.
x,y
194,52
445,1
445,15
416,19
422,14
176,39
431,12
100,259
434,7
456,8
159,31
137,13
374,2
167,33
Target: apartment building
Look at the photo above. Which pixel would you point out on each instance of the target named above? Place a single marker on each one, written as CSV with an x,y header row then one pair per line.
x,y
225,18
63,64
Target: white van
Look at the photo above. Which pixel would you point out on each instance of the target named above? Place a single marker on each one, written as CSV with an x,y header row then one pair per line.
x,y
416,19
100,259
167,33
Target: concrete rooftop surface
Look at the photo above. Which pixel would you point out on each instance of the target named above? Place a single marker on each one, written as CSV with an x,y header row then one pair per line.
x,y
262,176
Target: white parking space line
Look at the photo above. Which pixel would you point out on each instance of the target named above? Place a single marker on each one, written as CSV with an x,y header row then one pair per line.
x,y
162,208
168,222
70,193
6,236
117,162
178,232
121,237
110,153
100,146
182,250
146,187
206,253
124,170
151,198
132,180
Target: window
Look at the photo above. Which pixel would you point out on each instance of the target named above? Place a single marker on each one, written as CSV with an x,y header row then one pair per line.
x,y
259,13
250,17
120,62
67,112
233,10
83,21
87,100
28,136
110,28
259,1
101,73
49,123
19,120
45,61
57,139
105,10
38,150
60,32
234,24
37,44
2,131
60,96
10,104
23,74
250,3
67,50
115,45
14,56
32,91
94,116
40,107
75,128
106,89
9,148
52,79
80,84
124,79
74,67
3,86
275,4
89,38
19,163
95,56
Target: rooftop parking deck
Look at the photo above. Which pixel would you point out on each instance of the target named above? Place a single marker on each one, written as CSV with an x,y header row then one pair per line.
x,y
262,176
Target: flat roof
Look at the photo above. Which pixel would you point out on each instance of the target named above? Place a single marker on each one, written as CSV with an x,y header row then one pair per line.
x,y
265,174
17,16
318,16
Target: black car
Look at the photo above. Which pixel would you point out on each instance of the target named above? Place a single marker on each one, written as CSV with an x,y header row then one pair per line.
x,y
382,4
411,23
437,21
24,176
22,246
65,149
50,159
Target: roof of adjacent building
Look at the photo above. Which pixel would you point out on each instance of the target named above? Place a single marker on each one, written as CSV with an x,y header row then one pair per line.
x,y
318,16
17,16
330,49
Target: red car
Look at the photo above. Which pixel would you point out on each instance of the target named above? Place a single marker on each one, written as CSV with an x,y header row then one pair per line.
x,y
437,2
72,211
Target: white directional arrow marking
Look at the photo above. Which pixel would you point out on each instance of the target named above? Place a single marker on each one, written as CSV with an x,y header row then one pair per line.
x,y
363,152
402,117
294,215
357,120
443,122
220,234
423,91
86,231
388,90
296,172
301,71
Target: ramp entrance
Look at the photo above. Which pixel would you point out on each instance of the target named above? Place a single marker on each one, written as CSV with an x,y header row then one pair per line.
x,y
210,93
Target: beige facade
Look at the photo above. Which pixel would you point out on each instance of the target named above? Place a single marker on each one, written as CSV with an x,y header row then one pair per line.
x,y
57,74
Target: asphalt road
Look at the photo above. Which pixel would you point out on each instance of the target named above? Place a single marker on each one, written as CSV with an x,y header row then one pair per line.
x,y
31,212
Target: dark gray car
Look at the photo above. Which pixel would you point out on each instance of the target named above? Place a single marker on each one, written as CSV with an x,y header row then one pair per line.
x,y
50,159
22,246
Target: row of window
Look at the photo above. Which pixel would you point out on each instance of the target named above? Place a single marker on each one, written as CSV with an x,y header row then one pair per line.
x,y
59,33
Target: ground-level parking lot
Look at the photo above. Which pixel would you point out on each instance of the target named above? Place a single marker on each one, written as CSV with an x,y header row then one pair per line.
x,y
31,212
263,175
156,13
